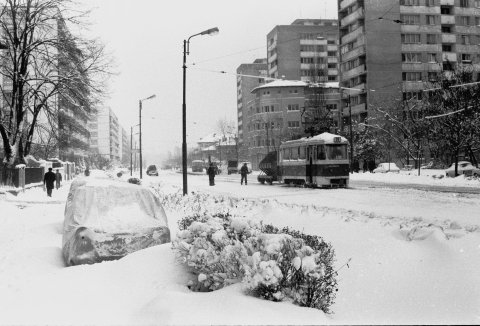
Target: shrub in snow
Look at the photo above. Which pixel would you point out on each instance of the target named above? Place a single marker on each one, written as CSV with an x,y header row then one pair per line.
x,y
272,263
312,281
211,250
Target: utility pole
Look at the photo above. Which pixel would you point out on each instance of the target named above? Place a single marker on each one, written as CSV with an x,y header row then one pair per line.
x,y
131,150
351,133
140,126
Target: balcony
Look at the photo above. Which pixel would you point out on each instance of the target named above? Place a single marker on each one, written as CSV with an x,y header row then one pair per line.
x,y
449,38
346,3
353,72
354,16
358,51
352,35
447,20
449,56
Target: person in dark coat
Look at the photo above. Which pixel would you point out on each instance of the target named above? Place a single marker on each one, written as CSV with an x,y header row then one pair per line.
x,y
243,173
365,165
371,165
49,181
211,174
58,179
356,166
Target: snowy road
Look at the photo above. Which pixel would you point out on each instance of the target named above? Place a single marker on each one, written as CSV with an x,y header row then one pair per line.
x,y
402,204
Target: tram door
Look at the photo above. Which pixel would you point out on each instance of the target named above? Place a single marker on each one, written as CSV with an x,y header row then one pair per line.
x,y
310,167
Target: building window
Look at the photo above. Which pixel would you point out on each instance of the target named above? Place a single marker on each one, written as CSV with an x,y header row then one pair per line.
x,y
332,78
464,3
431,57
293,107
332,66
430,3
410,38
430,20
465,39
335,42
272,108
464,21
466,57
446,48
446,29
331,107
412,76
410,2
332,53
432,76
410,19
307,48
293,124
477,20
412,95
445,10
431,39
477,4
411,57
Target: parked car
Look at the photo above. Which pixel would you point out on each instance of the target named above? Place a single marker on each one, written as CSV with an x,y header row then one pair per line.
x,y
386,167
152,170
232,167
464,167
249,165
106,219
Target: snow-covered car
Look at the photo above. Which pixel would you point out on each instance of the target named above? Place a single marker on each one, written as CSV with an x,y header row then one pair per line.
x,y
106,219
464,167
386,167
152,170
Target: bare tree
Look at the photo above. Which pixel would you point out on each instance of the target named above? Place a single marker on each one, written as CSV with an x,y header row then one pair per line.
x,y
38,70
453,111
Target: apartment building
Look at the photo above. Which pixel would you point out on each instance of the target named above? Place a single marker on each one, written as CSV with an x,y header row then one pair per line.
x,y
282,110
246,81
306,50
390,48
105,134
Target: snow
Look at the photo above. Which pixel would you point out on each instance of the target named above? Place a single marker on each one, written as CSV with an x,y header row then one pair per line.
x,y
413,257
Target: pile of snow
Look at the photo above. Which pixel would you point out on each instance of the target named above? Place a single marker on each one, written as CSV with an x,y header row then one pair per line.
x,y
426,177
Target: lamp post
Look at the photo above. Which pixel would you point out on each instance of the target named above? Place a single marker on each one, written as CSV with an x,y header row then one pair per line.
x,y
186,51
140,126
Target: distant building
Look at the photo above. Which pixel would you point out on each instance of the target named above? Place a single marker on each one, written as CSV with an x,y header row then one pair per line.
x,y
306,50
246,81
105,134
284,110
124,142
216,147
390,48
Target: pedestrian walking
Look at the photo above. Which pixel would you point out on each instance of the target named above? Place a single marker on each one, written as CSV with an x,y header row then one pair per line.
x,y
356,166
211,174
49,181
243,173
58,179
371,165
87,172
365,165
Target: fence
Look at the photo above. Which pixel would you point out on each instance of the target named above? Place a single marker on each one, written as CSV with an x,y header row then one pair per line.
x,y
21,176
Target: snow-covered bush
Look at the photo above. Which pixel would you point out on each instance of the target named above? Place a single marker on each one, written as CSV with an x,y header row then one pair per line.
x,y
272,263
313,282
211,248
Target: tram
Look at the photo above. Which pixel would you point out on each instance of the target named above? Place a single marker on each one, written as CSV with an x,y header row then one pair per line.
x,y
319,161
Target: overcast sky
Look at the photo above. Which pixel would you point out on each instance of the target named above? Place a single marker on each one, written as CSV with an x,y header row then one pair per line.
x,y
146,39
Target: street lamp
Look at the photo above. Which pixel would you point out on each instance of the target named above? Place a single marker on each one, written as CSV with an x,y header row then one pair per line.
x,y
186,51
140,126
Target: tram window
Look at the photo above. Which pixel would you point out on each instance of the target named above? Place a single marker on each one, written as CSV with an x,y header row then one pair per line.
x,y
294,153
321,152
337,152
301,153
286,154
